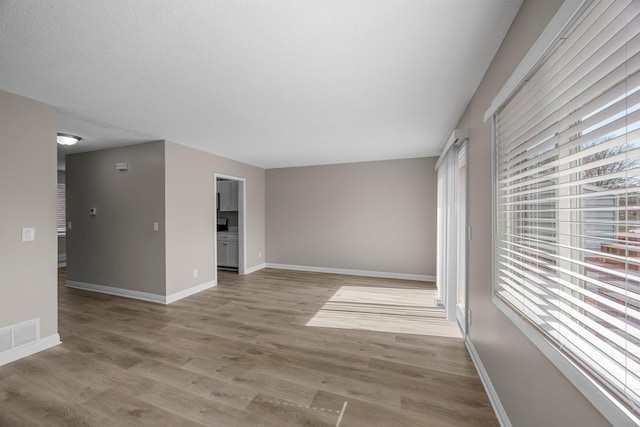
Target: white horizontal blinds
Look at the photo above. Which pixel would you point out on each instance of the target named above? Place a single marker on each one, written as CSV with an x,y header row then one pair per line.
x,y
567,244
61,212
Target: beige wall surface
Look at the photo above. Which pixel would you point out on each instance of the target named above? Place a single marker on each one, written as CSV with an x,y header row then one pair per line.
x,y
28,275
374,216
533,392
118,247
190,193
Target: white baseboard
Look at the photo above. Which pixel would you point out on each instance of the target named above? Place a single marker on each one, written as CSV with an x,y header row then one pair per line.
x,y
255,268
188,292
350,272
501,414
29,349
127,293
144,296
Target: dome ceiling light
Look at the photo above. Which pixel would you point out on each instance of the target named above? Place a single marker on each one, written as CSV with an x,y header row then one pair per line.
x,y
67,139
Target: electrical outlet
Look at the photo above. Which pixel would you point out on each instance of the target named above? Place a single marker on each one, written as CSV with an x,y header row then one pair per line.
x,y
28,234
259,254
195,273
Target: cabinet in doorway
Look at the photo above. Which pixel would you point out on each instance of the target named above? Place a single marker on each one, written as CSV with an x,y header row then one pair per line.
x,y
228,200
227,250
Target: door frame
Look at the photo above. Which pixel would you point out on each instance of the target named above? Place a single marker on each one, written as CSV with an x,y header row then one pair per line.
x,y
242,223
461,197
452,239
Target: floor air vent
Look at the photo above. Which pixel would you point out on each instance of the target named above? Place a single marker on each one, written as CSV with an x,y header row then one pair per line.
x,y
19,334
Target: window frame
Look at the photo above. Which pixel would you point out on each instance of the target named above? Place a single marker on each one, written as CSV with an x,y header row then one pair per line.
x,y
601,398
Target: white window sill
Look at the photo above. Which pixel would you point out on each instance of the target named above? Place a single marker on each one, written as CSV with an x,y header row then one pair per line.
x,y
608,406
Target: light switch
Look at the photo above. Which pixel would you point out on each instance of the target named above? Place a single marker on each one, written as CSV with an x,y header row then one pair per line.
x,y
93,211
155,226
28,234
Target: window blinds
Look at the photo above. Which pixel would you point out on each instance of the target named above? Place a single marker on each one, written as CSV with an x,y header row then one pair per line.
x,y
567,185
61,220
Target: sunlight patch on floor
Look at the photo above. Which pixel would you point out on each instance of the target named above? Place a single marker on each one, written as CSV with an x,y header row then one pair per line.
x,y
406,311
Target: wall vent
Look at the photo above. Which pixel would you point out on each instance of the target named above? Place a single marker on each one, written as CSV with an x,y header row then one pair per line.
x,y
20,334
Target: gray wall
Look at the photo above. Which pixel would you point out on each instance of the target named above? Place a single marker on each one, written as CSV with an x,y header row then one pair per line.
x,y
375,216
28,277
62,248
118,246
190,192
166,183
533,392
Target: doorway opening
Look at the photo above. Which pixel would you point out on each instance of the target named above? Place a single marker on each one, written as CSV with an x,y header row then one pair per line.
x,y
229,224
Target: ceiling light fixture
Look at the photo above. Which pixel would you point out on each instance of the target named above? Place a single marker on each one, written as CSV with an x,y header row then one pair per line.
x,y
67,139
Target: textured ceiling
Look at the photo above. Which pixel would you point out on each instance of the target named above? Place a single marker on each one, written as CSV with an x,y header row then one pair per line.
x,y
270,83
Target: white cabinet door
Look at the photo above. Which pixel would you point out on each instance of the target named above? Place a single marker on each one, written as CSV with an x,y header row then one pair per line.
x,y
233,196
224,188
222,254
232,254
228,195
227,254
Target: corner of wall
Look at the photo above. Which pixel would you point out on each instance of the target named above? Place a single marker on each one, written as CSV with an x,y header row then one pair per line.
x,y
28,193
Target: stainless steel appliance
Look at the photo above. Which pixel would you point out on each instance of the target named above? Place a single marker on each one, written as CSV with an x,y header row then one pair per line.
x,y
222,224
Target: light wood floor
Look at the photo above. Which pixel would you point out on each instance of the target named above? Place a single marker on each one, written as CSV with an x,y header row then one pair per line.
x,y
248,353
